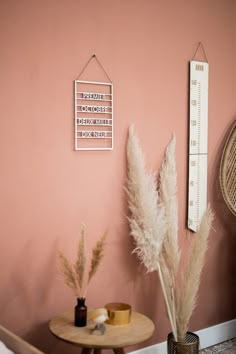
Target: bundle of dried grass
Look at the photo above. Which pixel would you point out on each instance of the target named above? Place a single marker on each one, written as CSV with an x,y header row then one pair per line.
x,y
154,226
146,210
187,299
168,189
69,273
74,273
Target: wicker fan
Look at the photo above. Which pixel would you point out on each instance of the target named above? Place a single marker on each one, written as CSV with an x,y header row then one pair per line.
x,y
228,171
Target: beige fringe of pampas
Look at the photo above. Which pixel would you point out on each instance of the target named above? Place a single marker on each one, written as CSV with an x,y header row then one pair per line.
x,y
154,226
74,274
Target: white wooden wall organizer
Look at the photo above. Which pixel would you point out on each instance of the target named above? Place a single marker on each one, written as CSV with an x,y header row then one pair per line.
x,y
93,113
198,136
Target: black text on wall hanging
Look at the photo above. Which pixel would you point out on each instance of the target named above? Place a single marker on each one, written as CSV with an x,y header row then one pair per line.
x,y
93,113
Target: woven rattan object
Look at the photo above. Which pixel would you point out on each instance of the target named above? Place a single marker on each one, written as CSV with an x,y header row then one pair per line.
x,y
228,171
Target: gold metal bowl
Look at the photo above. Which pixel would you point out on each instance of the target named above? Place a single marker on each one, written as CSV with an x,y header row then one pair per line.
x,y
119,313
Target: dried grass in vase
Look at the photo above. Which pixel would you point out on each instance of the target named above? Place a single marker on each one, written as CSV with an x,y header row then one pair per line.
x,y
154,226
76,276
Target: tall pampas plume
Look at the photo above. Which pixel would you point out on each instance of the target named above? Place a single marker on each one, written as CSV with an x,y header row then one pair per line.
x,y
147,222
187,299
168,189
153,222
170,255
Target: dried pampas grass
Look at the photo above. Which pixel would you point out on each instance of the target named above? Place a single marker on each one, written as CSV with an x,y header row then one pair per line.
x,y
69,274
146,211
98,253
74,274
187,299
153,222
168,189
81,259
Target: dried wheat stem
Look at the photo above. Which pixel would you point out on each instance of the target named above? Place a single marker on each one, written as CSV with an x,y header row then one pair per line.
x,y
173,309
81,259
74,273
170,315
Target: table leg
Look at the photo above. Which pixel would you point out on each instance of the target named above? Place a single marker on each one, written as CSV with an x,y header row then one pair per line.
x,y
118,350
86,351
97,351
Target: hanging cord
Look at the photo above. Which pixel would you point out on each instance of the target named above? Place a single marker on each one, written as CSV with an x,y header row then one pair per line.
x,y
94,57
198,47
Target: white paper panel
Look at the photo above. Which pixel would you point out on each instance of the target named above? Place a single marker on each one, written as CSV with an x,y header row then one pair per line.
x,y
198,143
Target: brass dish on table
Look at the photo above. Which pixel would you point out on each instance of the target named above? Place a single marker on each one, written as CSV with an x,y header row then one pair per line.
x,y
119,313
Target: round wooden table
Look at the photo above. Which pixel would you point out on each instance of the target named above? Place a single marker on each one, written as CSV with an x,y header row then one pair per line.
x,y
116,338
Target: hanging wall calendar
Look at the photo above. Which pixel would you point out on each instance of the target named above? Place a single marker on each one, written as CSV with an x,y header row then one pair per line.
x,y
93,113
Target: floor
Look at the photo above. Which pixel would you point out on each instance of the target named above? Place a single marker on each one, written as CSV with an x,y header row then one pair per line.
x,y
228,347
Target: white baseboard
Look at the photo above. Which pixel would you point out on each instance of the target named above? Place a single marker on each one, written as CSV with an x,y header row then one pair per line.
x,y
208,336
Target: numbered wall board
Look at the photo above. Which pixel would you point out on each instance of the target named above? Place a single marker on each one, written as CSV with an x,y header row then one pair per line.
x,y
198,143
93,115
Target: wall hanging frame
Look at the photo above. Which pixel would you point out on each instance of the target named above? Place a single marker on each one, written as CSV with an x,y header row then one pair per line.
x,y
198,140
93,101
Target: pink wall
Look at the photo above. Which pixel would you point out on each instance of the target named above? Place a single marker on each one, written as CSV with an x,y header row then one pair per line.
x,y
48,190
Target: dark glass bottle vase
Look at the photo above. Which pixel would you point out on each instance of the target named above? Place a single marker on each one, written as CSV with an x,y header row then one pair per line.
x,y
80,313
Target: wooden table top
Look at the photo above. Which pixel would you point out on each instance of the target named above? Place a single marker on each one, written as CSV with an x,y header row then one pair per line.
x,y
138,330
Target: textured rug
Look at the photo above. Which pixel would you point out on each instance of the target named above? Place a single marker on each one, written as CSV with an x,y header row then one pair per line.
x,y
228,347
